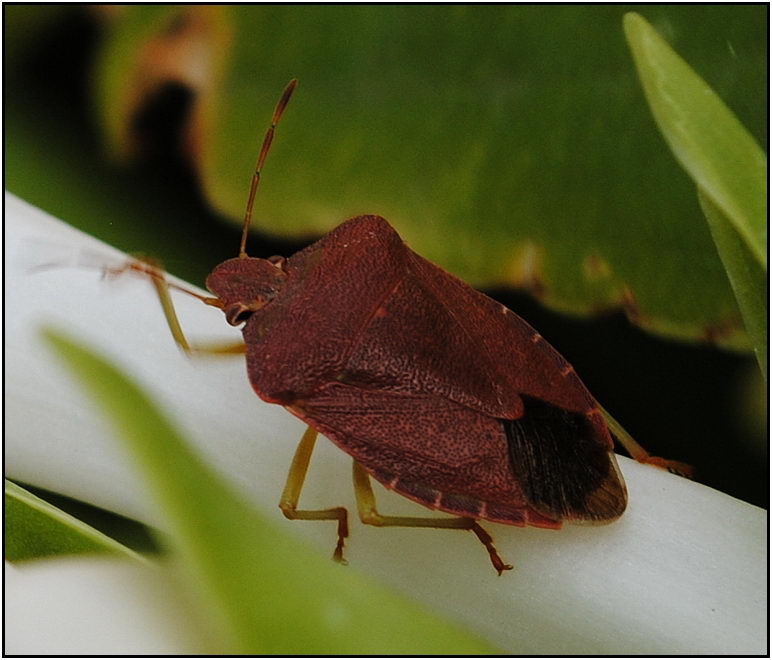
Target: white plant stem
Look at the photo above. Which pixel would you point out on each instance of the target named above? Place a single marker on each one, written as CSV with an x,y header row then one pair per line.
x,y
683,571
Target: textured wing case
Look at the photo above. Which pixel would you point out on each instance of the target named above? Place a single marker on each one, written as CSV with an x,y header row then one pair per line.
x,y
433,387
420,446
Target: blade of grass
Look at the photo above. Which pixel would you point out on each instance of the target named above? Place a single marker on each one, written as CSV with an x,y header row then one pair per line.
x,y
745,274
269,594
34,529
706,138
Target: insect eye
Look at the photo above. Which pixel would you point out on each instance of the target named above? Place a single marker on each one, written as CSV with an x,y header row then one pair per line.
x,y
237,313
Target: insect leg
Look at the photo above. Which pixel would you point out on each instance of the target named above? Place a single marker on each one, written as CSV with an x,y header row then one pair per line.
x,y
162,286
368,514
640,454
289,498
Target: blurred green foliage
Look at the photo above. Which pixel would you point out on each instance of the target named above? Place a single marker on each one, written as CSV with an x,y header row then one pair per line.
x,y
34,529
265,591
510,144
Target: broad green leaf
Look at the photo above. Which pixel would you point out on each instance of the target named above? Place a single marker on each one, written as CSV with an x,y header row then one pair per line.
x,y
270,593
34,528
746,274
500,144
711,144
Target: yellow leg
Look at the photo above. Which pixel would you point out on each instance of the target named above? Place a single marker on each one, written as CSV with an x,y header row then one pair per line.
x,y
368,514
640,454
291,494
156,275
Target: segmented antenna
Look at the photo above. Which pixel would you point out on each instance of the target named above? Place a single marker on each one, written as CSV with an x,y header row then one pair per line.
x,y
285,97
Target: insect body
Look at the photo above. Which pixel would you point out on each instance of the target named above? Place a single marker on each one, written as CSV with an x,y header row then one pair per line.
x,y
436,391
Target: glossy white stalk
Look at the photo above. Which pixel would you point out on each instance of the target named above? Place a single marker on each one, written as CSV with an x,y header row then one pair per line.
x,y
682,572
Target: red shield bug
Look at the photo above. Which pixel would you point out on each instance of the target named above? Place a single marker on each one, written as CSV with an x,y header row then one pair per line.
x,y
437,391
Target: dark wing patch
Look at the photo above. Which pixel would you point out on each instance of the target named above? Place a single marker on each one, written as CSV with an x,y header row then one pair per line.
x,y
566,471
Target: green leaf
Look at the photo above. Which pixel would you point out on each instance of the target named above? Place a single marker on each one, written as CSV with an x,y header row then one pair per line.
x,y
746,275
722,158
500,145
271,594
34,529
711,144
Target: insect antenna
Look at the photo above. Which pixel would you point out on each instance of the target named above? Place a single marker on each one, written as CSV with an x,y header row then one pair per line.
x,y
277,113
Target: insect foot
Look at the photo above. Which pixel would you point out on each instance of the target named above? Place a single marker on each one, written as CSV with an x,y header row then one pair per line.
x,y
674,467
487,541
139,264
